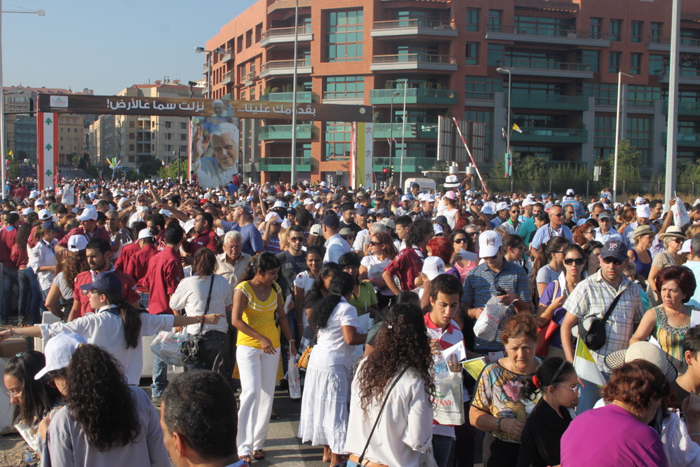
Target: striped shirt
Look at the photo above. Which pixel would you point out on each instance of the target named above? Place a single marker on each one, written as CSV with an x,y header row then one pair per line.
x,y
482,283
592,297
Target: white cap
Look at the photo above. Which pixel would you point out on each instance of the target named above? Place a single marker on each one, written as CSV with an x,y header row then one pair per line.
x,y
145,233
428,198
222,199
388,223
44,215
405,198
487,209
59,351
528,202
27,211
88,215
433,266
308,201
643,210
570,192
273,216
489,244
640,200
33,194
279,204
189,225
437,229
77,243
501,206
166,213
39,202
322,183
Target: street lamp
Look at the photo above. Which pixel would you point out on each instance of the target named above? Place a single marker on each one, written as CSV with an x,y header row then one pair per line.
x,y
293,167
391,126
617,130
219,51
509,129
403,132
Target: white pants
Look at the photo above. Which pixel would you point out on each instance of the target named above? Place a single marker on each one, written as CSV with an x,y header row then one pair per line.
x,y
258,372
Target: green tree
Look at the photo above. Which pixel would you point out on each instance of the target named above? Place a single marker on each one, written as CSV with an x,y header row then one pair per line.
x,y
150,166
627,167
13,171
172,170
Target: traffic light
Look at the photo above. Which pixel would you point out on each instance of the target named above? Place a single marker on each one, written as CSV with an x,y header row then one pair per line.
x,y
385,173
391,171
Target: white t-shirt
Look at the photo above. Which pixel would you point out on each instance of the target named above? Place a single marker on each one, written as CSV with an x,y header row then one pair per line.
x,y
60,282
191,296
375,268
330,348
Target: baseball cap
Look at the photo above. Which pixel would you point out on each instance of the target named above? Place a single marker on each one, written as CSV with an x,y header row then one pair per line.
x,y
388,223
49,225
362,211
433,266
27,211
59,351
489,244
308,201
570,192
78,243
643,210
33,194
438,230
245,206
605,215
501,206
442,220
686,247
88,215
44,214
145,233
316,230
405,198
39,202
107,282
487,210
330,220
614,249
279,204
643,350
273,216
429,199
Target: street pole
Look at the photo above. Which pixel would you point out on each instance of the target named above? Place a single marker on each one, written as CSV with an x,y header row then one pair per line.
x,y
509,130
391,127
403,132
293,171
617,131
671,136
2,118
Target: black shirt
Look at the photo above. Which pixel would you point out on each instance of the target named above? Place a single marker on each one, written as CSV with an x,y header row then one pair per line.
x,y
290,266
542,435
352,226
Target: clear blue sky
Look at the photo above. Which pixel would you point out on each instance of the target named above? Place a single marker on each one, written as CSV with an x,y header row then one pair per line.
x,y
108,45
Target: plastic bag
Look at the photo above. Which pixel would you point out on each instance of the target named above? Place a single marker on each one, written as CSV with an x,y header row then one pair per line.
x,y
447,401
487,324
167,346
680,214
294,379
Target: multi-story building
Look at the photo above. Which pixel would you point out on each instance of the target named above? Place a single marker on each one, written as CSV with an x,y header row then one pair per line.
x,y
20,124
561,58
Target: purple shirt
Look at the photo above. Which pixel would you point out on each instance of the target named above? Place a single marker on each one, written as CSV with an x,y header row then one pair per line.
x,y
610,436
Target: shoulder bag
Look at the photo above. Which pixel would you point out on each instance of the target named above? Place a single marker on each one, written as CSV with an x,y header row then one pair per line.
x,y
594,337
190,348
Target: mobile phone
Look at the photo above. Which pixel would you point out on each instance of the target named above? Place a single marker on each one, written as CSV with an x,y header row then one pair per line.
x,y
501,290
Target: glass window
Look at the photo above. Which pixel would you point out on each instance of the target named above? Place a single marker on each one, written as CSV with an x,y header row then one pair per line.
x,y
635,64
636,31
594,28
604,136
472,53
639,134
344,87
495,20
477,87
338,140
690,37
485,117
614,62
472,19
655,32
345,36
656,65
591,58
495,54
615,27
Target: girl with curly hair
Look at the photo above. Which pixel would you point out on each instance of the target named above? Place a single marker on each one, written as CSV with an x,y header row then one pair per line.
x,y
60,296
104,421
405,427
324,412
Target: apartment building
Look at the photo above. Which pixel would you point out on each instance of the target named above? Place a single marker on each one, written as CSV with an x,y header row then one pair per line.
x,y
562,59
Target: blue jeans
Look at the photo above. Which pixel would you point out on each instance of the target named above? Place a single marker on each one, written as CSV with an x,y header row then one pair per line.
x,y
143,300
25,297
442,448
9,280
160,377
35,304
589,395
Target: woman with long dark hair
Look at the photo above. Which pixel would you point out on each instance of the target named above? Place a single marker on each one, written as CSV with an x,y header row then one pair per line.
x,y
305,280
60,296
257,308
29,292
324,413
402,354
32,399
320,289
104,420
549,263
116,325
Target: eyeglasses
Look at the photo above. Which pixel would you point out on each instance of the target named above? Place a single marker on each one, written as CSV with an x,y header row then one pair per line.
x,y
570,261
614,261
605,219
678,240
575,390
473,234
296,239
588,232
348,237
15,393
374,243
460,240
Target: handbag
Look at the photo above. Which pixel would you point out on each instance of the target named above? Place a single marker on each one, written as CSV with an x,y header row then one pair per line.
x,y
376,422
306,354
545,333
594,337
190,348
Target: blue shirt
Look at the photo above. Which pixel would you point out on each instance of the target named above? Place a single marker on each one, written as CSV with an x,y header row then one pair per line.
x,y
579,211
252,238
546,232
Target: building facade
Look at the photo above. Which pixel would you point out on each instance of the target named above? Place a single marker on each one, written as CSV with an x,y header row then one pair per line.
x,y
457,58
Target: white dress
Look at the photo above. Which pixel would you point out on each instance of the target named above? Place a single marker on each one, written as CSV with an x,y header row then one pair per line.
x,y
324,406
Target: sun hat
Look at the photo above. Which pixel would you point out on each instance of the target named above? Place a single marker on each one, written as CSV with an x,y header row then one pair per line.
x,y
642,230
672,231
451,181
643,350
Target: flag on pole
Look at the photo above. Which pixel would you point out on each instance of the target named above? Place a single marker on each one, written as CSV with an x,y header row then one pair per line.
x,y
585,366
503,132
517,128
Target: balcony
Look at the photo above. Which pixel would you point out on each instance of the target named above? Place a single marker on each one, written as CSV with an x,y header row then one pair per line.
x,y
284,164
550,135
549,102
205,69
249,79
286,35
413,61
413,130
302,97
691,109
663,44
410,164
684,77
227,78
282,132
414,96
542,35
344,97
228,56
413,27
685,140
547,68
285,67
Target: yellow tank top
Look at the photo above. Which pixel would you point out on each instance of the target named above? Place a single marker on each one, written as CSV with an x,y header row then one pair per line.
x,y
260,316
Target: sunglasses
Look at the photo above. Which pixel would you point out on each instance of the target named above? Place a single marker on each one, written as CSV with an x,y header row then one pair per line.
x,y
678,240
374,243
460,240
348,237
561,214
614,261
605,219
296,239
570,261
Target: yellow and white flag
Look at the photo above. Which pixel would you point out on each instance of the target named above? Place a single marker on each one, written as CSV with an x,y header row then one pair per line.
x,y
585,366
517,128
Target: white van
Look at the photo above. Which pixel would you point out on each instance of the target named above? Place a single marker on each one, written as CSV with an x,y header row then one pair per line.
x,y
426,184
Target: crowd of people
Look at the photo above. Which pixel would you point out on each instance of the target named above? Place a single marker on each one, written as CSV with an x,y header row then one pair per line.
x,y
382,295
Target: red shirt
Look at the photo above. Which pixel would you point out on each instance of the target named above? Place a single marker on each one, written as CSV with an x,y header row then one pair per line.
x,y
407,266
19,256
21,193
138,266
164,274
102,233
8,236
206,239
87,277
125,254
